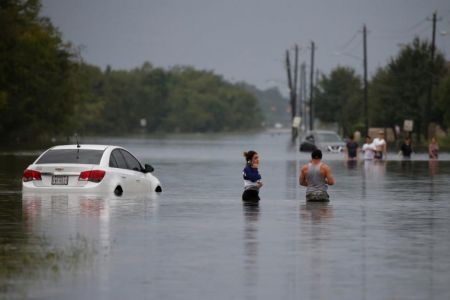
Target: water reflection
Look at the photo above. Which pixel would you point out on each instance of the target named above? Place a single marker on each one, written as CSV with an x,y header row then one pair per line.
x,y
374,171
38,205
251,243
433,167
292,179
351,164
316,211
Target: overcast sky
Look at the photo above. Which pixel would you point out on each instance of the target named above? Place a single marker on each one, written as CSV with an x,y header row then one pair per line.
x,y
245,39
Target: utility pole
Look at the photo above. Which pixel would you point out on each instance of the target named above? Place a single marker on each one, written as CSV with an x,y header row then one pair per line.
x,y
292,84
302,93
430,89
311,89
366,110
289,77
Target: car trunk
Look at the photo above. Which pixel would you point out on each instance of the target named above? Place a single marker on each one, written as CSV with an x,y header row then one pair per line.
x,y
54,175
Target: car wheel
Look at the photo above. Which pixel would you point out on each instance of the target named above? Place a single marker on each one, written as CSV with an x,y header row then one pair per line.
x,y
118,191
158,189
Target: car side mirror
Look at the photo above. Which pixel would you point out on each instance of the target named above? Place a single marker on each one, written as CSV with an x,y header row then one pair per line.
x,y
148,168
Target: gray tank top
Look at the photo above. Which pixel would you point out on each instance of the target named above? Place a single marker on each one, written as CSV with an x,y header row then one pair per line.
x,y
316,181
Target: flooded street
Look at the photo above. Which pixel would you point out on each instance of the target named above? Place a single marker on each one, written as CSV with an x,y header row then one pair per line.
x,y
384,235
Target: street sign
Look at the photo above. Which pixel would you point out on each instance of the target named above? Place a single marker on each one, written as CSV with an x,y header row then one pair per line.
x,y
296,122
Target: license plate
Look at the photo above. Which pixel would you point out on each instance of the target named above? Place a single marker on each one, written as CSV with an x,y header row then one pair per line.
x,y
60,180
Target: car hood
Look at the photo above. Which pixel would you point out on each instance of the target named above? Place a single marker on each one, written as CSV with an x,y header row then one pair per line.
x,y
332,147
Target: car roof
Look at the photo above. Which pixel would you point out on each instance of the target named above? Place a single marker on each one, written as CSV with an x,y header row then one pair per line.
x,y
82,146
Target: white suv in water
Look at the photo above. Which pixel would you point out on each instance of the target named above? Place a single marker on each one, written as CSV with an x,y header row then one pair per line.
x,y
89,168
325,140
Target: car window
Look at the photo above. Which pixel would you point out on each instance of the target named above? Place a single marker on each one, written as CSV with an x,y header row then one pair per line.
x,y
132,162
71,156
120,161
113,162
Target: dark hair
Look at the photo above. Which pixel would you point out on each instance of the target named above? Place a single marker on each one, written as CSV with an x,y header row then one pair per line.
x,y
316,154
249,155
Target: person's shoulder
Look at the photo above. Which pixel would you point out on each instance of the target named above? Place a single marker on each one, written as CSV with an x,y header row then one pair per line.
x,y
325,166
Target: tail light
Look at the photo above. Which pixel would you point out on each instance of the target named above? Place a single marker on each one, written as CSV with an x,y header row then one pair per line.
x,y
29,175
93,175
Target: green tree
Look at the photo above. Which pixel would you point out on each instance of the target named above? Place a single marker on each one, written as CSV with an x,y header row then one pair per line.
x,y
35,66
338,98
399,91
89,100
443,96
203,101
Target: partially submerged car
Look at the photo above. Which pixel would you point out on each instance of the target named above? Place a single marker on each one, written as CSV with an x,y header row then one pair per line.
x,y
327,141
89,168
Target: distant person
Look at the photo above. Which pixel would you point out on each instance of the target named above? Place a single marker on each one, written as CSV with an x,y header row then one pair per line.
x,y
380,146
316,176
368,149
351,148
252,178
406,148
433,148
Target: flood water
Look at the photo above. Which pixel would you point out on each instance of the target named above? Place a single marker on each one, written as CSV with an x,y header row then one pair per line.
x,y
384,235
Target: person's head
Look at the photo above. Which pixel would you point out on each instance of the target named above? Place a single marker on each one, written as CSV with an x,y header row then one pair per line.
x,y
316,154
251,158
433,139
368,139
408,140
351,137
381,134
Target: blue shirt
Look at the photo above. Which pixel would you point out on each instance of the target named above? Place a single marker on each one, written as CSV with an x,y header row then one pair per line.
x,y
251,174
251,178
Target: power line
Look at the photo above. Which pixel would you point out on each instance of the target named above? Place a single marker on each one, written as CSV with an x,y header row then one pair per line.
x,y
349,41
393,34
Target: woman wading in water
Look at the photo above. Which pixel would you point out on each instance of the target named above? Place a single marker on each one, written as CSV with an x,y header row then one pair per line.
x,y
252,178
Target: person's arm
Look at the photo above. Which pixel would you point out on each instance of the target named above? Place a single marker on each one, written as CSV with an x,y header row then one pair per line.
x,y
327,173
302,178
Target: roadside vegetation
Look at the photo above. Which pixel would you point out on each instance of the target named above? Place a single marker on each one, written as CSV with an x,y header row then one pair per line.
x,y
47,91
397,92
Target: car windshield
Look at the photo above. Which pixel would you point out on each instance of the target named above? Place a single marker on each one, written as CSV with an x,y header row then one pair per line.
x,y
71,156
328,137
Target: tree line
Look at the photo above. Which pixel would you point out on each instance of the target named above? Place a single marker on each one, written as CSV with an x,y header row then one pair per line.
x,y
398,91
47,90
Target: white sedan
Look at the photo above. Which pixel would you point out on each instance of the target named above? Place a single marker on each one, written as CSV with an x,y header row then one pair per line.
x,y
89,168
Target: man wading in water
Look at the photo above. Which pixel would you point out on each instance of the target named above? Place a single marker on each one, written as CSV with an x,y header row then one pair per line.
x,y
316,176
